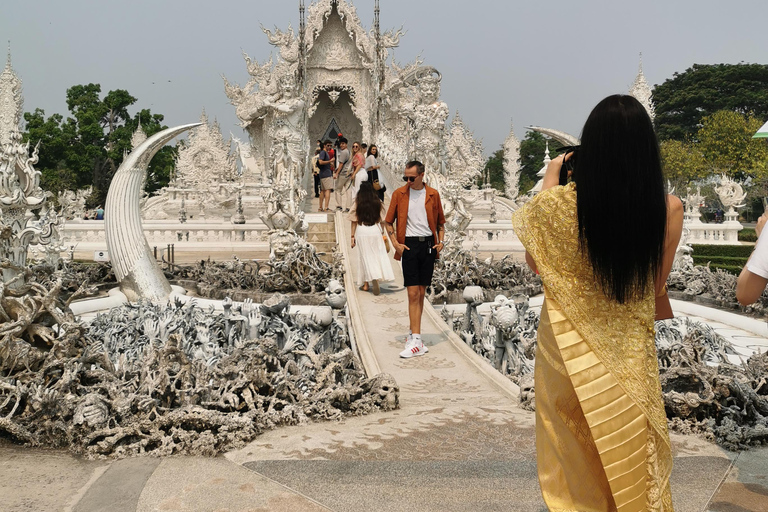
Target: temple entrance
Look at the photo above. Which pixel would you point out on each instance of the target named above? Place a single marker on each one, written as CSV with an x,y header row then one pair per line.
x,y
334,117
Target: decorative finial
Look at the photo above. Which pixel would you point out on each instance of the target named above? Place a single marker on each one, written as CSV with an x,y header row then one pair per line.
x,y
547,159
8,61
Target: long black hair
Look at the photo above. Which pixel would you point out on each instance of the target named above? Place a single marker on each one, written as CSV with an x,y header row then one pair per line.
x,y
368,205
621,197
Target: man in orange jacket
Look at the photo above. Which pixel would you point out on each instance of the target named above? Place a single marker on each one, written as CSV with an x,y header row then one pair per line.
x,y
417,212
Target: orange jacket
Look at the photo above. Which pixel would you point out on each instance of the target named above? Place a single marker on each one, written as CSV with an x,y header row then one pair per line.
x,y
398,211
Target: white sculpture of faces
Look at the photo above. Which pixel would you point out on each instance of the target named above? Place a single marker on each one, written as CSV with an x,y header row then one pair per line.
x,y
429,89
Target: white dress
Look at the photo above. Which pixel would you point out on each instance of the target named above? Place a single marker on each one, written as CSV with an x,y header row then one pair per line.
x,y
372,258
361,176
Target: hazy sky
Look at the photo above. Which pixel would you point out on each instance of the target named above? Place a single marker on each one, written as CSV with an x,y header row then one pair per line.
x,y
543,63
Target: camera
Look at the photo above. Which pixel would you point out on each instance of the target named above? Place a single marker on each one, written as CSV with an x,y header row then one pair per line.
x,y
569,164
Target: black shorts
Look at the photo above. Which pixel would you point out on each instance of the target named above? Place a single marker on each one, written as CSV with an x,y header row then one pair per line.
x,y
419,261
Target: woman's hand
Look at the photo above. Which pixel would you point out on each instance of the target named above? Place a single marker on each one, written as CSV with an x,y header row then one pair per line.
x,y
552,174
353,242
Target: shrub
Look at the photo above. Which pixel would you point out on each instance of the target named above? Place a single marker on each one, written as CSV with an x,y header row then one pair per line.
x,y
747,235
738,251
720,260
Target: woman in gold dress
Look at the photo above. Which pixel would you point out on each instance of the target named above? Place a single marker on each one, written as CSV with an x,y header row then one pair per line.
x,y
603,245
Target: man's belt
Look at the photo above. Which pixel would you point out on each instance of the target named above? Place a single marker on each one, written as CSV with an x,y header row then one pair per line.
x,y
419,238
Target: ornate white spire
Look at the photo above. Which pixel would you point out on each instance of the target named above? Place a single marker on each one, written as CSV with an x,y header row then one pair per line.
x,y
11,101
138,136
642,91
547,159
206,158
511,164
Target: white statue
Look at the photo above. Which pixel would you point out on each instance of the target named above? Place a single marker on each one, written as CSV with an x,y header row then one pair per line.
x,y
24,217
287,151
731,194
283,218
511,165
73,203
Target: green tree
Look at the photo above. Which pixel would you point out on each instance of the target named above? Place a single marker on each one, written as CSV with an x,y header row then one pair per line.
x,y
532,149
682,101
682,163
88,147
495,165
726,143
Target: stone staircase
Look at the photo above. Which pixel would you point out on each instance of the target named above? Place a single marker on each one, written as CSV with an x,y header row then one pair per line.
x,y
323,235
320,234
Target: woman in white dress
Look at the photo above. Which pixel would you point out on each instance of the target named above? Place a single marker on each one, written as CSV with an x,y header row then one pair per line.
x,y
367,236
358,168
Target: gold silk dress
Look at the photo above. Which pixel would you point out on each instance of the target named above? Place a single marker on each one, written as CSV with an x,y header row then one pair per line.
x,y
601,431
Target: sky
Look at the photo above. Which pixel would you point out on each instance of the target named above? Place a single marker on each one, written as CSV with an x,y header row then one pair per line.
x,y
502,61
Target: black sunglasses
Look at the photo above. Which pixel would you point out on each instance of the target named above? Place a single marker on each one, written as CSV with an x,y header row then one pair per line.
x,y
409,178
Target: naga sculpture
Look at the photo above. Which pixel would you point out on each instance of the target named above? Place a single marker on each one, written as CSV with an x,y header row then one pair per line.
x,y
135,267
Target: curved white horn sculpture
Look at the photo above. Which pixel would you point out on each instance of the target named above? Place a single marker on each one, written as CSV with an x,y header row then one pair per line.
x,y
566,139
135,267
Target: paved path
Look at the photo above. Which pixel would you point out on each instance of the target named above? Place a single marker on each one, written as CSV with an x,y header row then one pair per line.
x,y
458,443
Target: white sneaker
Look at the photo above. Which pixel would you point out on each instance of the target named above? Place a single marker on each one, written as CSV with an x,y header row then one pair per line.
x,y
410,337
413,348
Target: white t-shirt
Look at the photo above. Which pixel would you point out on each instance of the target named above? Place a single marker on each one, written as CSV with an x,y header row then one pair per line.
x,y
758,263
417,224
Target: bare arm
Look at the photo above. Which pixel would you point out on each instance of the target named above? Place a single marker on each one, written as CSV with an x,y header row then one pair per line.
x,y
530,262
674,231
354,228
552,175
551,179
750,286
392,238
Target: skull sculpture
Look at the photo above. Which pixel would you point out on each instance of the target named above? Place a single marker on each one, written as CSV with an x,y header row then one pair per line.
x,y
527,393
384,390
335,295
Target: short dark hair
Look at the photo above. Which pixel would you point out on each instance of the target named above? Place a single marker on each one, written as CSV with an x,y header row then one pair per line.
x,y
418,165
326,142
343,140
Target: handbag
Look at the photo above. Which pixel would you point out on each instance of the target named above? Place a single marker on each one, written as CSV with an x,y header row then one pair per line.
x,y
385,238
376,185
